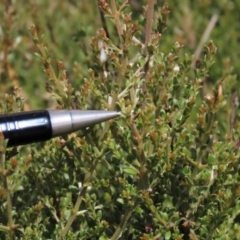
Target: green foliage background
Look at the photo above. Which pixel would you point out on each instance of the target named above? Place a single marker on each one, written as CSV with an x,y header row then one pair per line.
x,y
168,168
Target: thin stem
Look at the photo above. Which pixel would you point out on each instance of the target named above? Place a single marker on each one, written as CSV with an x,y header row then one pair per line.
x,y
78,202
53,213
8,196
202,141
143,182
115,95
154,211
205,36
137,42
118,233
159,218
4,228
75,212
84,211
150,11
49,70
157,236
192,162
116,17
103,20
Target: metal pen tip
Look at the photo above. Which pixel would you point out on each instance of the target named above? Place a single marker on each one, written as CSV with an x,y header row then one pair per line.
x,y
88,118
67,121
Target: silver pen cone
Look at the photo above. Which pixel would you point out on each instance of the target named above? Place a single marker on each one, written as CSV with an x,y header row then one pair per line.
x,y
67,121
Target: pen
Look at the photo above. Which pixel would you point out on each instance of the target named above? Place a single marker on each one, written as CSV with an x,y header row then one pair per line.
x,y
36,126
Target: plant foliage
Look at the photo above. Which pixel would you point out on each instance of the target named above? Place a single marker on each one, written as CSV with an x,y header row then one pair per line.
x,y
168,168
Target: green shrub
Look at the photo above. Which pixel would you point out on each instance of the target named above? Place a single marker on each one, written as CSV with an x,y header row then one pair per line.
x,y
168,167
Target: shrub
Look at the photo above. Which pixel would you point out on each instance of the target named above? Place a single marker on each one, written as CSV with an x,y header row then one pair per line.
x,y
166,169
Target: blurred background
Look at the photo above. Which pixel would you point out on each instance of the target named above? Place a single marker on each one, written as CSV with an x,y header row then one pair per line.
x,y
68,26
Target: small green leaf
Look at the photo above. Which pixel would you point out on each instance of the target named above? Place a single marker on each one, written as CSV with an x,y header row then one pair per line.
x,y
130,170
167,235
120,200
211,159
102,238
186,152
66,176
73,188
142,61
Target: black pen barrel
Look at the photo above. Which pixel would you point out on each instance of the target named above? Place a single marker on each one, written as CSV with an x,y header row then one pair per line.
x,y
26,127
37,126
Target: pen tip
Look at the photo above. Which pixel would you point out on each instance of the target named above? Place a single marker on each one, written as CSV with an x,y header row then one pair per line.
x,y
67,121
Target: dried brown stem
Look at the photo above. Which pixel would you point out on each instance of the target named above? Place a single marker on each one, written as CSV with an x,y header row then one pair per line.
x,y
116,15
205,37
150,10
